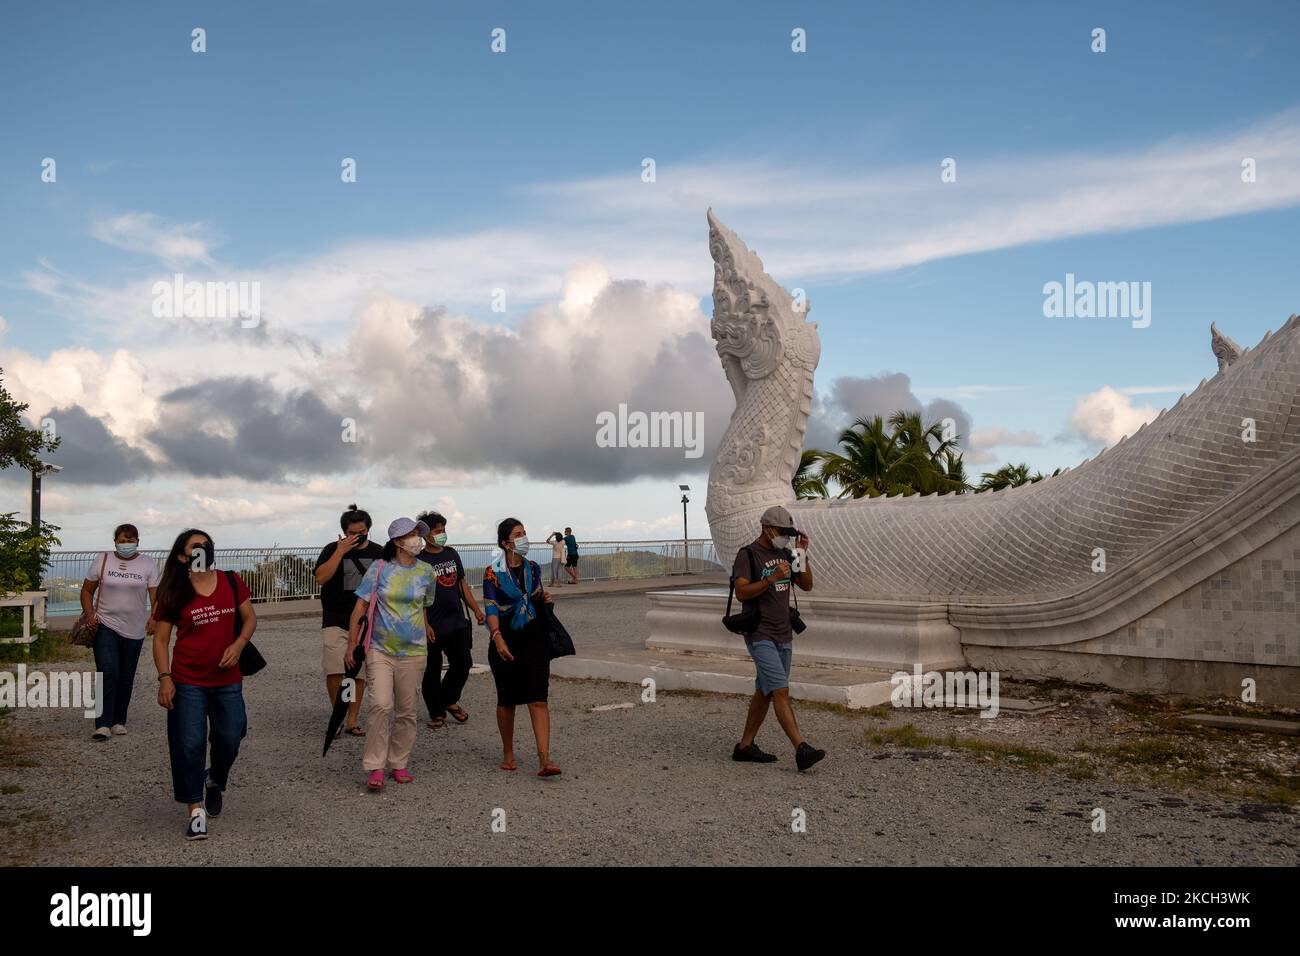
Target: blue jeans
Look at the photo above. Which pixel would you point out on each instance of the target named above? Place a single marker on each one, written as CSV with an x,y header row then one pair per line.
x,y
115,657
214,713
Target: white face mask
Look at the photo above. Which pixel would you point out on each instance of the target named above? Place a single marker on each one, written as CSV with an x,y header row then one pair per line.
x,y
781,542
412,545
521,545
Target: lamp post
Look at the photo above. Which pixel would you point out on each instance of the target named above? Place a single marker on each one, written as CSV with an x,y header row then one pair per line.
x,y
43,468
686,540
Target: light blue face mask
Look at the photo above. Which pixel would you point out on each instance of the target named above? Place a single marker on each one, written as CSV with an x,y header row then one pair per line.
x,y
521,546
127,548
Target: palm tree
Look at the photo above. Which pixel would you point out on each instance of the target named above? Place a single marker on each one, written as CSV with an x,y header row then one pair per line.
x,y
1011,476
907,458
807,483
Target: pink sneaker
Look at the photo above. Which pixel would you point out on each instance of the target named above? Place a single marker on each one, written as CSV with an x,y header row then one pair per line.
x,y
376,781
402,776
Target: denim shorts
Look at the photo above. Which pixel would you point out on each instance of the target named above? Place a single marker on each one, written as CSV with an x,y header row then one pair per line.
x,y
772,661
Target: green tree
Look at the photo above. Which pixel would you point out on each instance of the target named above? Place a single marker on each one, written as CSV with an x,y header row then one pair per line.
x,y
1011,476
24,550
807,483
901,457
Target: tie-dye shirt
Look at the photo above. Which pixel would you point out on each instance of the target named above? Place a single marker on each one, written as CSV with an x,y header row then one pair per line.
x,y
404,593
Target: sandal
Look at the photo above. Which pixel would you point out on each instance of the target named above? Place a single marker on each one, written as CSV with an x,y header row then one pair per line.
x,y
458,713
376,781
402,776
550,770
356,730
437,723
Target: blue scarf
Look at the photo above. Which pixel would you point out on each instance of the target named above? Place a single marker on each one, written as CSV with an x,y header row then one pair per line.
x,y
523,612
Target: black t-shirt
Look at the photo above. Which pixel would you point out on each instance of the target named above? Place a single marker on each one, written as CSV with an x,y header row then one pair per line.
x,y
444,613
338,595
774,603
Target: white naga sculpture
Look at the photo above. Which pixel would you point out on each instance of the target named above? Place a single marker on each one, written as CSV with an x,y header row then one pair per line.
x,y
1211,480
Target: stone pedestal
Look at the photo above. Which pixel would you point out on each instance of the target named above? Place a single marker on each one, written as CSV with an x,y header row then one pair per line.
x,y
880,635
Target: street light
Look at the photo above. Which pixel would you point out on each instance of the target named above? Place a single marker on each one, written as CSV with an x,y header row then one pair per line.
x,y
42,468
686,540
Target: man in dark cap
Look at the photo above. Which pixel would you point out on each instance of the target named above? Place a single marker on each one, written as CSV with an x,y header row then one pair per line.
x,y
762,575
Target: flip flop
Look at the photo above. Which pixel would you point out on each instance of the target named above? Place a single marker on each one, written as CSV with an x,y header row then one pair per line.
x,y
551,771
376,781
437,723
356,731
456,714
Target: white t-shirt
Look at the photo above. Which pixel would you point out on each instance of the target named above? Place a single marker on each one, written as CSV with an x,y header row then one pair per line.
x,y
124,593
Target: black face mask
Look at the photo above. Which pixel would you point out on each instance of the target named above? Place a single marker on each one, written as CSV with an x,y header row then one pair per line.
x,y
209,557
361,540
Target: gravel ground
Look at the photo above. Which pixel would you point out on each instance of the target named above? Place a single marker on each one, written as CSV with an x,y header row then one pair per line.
x,y
648,784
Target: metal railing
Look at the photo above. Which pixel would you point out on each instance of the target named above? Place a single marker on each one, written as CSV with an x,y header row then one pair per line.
x,y
288,574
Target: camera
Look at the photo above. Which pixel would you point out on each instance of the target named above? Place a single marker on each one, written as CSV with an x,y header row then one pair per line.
x,y
796,621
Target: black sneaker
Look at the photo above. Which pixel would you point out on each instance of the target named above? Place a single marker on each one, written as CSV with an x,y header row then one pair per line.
x,y
751,754
212,799
197,827
805,756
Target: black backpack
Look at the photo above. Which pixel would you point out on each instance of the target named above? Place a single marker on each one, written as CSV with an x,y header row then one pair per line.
x,y
747,621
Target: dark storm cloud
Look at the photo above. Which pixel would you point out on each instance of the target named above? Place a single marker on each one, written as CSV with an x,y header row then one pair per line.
x,y
851,397
245,428
90,454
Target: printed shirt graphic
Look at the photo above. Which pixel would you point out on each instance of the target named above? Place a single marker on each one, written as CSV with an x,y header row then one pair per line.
x,y
774,603
404,593
338,595
204,629
124,593
445,614
497,603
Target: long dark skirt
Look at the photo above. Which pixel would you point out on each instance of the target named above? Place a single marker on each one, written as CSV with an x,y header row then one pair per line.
x,y
526,679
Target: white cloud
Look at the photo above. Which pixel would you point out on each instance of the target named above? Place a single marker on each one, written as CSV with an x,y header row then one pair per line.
x,y
113,388
176,244
1107,415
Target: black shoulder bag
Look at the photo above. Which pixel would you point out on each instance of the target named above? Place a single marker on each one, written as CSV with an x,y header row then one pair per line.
x,y
747,621
250,658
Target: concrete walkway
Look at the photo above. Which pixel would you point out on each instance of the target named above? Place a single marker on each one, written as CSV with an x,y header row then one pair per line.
x,y
646,781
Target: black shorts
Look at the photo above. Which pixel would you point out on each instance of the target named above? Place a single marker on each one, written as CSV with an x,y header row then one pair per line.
x,y
571,561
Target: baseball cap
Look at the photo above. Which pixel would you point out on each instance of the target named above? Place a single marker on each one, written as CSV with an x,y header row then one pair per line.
x,y
401,527
777,517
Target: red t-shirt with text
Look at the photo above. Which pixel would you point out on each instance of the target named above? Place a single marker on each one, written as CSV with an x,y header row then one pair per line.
x,y
204,629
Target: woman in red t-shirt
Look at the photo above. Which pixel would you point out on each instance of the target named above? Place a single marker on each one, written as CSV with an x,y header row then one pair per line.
x,y
202,687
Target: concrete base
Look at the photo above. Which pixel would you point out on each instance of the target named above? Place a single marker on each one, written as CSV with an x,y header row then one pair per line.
x,y
849,632
850,687
1274,686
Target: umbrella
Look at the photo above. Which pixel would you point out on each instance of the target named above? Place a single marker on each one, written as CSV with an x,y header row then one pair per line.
x,y
340,705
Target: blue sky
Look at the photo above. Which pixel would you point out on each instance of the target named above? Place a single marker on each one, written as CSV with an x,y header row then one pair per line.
x,y
478,171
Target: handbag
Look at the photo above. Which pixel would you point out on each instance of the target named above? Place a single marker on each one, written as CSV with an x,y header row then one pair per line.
x,y
747,620
83,632
250,658
558,639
